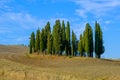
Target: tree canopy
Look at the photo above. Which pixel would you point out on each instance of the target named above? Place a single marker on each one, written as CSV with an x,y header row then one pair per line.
x,y
99,48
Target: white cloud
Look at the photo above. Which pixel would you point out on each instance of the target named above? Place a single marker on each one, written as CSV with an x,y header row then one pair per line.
x,y
107,22
23,20
81,13
96,7
18,25
4,6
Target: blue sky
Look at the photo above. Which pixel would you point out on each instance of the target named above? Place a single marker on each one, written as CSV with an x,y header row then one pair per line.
x,y
18,18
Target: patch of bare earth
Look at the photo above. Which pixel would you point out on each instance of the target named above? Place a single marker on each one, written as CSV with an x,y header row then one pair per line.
x,y
15,64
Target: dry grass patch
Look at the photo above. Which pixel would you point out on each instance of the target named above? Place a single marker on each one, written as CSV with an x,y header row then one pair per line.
x,y
15,65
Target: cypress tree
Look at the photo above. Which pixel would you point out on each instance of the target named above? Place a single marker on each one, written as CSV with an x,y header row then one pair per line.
x,y
46,32
42,42
83,43
37,41
30,46
99,48
33,41
63,34
73,43
49,44
57,37
80,46
91,42
53,35
68,48
88,40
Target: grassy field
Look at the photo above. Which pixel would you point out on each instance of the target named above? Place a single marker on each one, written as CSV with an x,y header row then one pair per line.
x,y
16,64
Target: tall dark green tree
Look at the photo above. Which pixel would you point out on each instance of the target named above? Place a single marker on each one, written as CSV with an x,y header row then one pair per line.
x,y
57,37
74,39
89,40
49,43
42,41
32,42
83,43
63,34
37,41
81,46
53,44
46,32
30,47
68,47
99,48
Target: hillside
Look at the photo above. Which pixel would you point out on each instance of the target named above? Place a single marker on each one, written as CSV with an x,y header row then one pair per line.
x,y
16,64
13,49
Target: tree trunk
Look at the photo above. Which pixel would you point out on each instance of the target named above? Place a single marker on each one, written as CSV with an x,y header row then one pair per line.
x,y
91,55
98,56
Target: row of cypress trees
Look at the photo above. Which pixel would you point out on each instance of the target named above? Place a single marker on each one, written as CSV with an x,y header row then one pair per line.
x,y
88,45
54,42
59,41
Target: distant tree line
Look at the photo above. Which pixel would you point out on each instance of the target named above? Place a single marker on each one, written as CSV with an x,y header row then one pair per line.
x,y
59,41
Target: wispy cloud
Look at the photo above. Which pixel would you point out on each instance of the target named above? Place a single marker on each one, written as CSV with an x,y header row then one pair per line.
x,y
16,27
4,30
4,5
96,7
23,20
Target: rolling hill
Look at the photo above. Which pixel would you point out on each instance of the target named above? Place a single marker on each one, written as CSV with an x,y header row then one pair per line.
x,y
16,64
